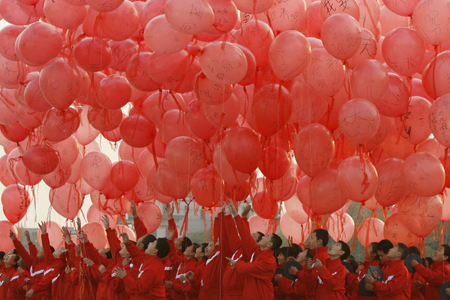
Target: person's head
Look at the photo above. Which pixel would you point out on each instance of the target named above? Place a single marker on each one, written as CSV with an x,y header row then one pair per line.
x,y
182,243
372,253
383,248
398,252
209,250
189,252
2,254
143,241
304,255
257,236
21,264
10,260
297,249
123,250
414,249
283,255
339,250
428,261
159,247
442,254
270,242
57,253
200,251
319,238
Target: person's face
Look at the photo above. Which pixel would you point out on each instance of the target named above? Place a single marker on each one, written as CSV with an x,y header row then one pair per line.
x,y
302,256
103,251
383,256
281,259
177,243
139,243
209,250
265,240
123,251
41,254
255,236
9,260
313,242
151,247
199,254
439,255
393,253
335,250
189,252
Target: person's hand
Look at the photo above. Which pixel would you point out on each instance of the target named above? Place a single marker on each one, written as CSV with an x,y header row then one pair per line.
x,y
125,238
121,273
368,287
67,270
246,211
293,270
417,284
375,274
309,263
77,250
183,278
359,269
168,284
232,262
78,224
27,235
346,271
169,211
43,227
66,235
20,270
6,279
133,209
105,221
232,208
126,261
278,277
318,264
102,269
29,294
413,263
369,279
447,292
170,233
12,235
82,237
88,262
290,240
190,275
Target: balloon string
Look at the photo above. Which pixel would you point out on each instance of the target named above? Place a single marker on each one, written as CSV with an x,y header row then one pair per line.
x,y
205,225
184,226
361,208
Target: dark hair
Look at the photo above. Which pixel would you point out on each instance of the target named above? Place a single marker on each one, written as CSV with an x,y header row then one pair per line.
x,y
309,254
446,251
286,252
260,236
163,247
108,254
404,250
384,246
276,241
322,234
353,263
297,249
52,249
374,250
185,242
149,238
2,254
346,249
414,249
429,261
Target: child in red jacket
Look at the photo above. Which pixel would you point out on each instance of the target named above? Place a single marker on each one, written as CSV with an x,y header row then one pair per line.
x,y
396,282
439,273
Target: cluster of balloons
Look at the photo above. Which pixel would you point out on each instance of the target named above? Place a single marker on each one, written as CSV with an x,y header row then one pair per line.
x,y
357,91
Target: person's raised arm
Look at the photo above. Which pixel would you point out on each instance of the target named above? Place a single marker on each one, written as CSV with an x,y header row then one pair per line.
x,y
249,245
91,252
32,248
21,250
139,226
45,241
173,257
170,210
435,278
137,255
231,233
114,243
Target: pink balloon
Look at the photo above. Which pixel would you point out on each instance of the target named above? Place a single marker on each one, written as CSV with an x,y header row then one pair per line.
x,y
325,74
222,114
326,196
12,73
58,177
95,169
137,72
370,81
105,119
370,230
151,9
8,107
295,210
257,37
391,187
307,105
68,151
359,120
173,184
155,106
201,19
124,175
28,117
125,229
298,232
367,49
104,5
330,8
127,152
120,31
34,98
15,200
14,132
197,122
390,21
415,125
357,178
395,147
382,133
92,54
173,125
94,215
168,68
59,125
256,223
54,234
142,190
121,52
403,50
446,207
242,149
341,228
424,174
420,214
5,228
284,188
210,92
338,28
207,187
431,146
435,31
397,232
151,215
137,131
12,12
66,201
96,234
185,155
225,170
64,15
85,134
439,120
19,171
314,149
5,178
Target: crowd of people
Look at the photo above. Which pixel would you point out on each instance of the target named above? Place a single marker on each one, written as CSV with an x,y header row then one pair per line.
x,y
237,264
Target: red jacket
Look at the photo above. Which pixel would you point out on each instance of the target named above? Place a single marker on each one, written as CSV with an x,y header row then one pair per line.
x,y
192,289
354,279
140,228
439,273
150,282
170,271
293,289
16,291
396,282
8,272
258,267
330,280
417,294
182,266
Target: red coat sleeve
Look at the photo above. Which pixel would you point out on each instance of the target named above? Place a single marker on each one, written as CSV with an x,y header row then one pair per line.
x,y
174,226
233,240
46,246
249,246
331,280
143,284
46,282
298,289
33,250
93,254
114,243
436,277
256,269
174,258
398,282
139,227
138,256
115,283
23,253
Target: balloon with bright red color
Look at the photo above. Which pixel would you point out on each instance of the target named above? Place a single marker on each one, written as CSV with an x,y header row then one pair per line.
x,y
59,125
121,52
307,105
18,170
105,119
304,191
185,155
60,83
395,147
357,178
15,132
40,159
284,188
397,232
370,81
151,215
419,214
314,149
242,149
137,131
403,51
264,205
295,210
238,192
95,169
155,106
95,232
168,68
173,184
124,175
415,125
325,74
34,98
424,174
338,28
66,201
92,54
197,122
137,73
359,120
370,230
392,186
225,170
446,206
15,200
275,161
440,120
382,133
298,232
64,15
207,187
38,44
257,37
435,31
173,125
340,228
325,194
7,244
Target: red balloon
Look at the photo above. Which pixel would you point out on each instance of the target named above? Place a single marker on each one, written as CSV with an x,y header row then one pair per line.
x,y
436,32
222,114
304,191
185,155
167,68
124,175
391,187
264,205
173,184
197,122
326,196
274,162
96,234
151,215
105,119
367,49
397,232
64,15
58,177
8,36
284,188
238,192
370,81
156,105
173,125
370,230
5,177
120,31
137,73
12,73
298,232
7,244
225,170
15,132
40,159
137,131
114,93
415,125
395,102
28,117
207,187
210,92
92,54
59,125
66,201
95,169
440,120
257,37
307,105
34,98
15,200
121,52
